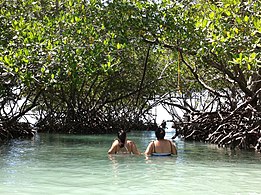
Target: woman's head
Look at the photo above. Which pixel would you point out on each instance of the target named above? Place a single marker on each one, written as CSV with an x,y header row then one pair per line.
x,y
121,138
160,133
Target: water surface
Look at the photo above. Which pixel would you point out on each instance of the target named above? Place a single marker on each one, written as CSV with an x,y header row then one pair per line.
x,y
74,164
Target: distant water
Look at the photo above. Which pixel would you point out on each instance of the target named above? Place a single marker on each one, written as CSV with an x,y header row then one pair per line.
x,y
74,164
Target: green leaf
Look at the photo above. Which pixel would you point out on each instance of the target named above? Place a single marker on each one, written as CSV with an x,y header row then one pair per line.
x,y
70,3
118,45
25,60
6,60
246,18
77,19
40,38
26,52
105,42
212,15
252,57
31,35
204,23
103,27
228,13
235,30
43,69
238,19
49,45
240,59
228,34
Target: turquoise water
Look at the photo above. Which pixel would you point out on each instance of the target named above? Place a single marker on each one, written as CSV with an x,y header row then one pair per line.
x,y
73,164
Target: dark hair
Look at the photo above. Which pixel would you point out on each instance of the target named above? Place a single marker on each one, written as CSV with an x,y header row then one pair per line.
x,y
121,138
160,133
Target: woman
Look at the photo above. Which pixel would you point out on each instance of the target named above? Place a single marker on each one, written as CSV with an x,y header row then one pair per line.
x,y
161,147
122,145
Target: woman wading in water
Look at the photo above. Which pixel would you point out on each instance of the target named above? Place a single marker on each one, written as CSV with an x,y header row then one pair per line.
x,y
123,146
161,147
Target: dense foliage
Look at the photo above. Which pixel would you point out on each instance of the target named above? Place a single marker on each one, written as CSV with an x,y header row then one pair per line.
x,y
97,66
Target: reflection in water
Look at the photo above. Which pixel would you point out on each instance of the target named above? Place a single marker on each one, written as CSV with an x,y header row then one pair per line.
x,y
70,164
115,164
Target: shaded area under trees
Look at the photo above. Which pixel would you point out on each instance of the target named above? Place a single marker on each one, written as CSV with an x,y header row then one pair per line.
x,y
92,67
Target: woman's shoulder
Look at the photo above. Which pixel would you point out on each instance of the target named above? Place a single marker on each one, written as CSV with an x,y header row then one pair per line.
x,y
130,142
151,143
115,142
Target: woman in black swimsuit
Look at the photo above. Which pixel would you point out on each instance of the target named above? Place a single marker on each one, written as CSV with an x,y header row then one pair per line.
x,y
161,147
122,145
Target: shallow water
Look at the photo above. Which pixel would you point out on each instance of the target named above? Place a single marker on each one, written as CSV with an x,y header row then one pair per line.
x,y
73,164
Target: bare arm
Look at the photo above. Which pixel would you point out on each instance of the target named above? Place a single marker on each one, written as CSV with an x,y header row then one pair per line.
x,y
173,149
134,149
113,148
149,149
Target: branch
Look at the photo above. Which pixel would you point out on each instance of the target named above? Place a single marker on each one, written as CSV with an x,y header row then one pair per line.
x,y
239,80
178,105
197,77
143,75
22,113
244,104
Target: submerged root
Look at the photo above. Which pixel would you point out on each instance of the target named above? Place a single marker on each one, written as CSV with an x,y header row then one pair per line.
x,y
16,130
240,130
